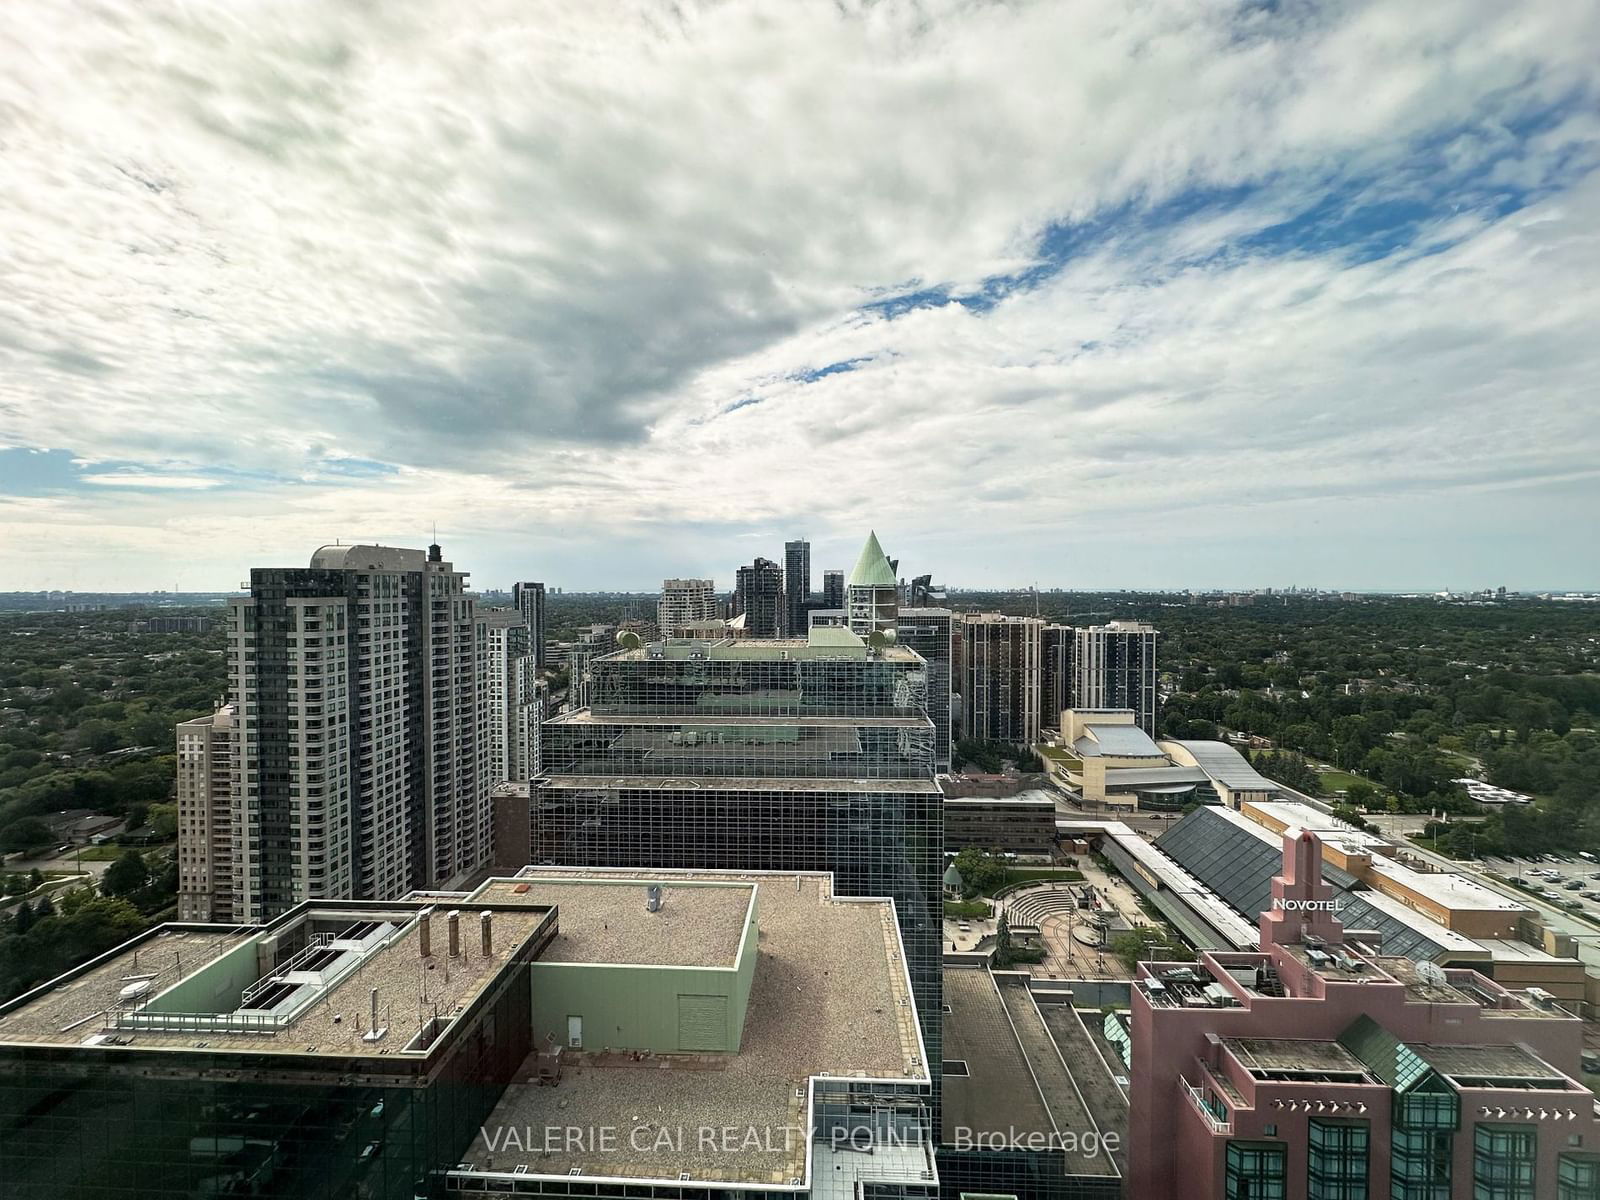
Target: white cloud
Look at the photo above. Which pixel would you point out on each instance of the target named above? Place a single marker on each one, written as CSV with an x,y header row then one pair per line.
x,y
143,479
531,263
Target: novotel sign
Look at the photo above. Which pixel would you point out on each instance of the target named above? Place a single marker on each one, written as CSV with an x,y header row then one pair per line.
x,y
1292,905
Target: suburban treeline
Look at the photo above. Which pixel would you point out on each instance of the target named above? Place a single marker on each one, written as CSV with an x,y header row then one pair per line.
x,y
87,710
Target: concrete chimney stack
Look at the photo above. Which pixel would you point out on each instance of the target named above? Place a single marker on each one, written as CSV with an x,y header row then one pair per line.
x,y
425,932
453,921
486,928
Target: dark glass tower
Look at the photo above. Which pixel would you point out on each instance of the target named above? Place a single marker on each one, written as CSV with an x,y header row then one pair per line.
x,y
833,589
796,586
528,599
811,754
758,595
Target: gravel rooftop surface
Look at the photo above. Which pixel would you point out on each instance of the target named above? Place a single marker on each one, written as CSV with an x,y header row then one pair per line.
x,y
697,926
829,997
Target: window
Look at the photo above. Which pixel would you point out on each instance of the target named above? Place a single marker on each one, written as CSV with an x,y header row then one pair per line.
x,y
1215,1106
1337,1168
1255,1171
1502,1162
1430,1105
1420,1167
1578,1178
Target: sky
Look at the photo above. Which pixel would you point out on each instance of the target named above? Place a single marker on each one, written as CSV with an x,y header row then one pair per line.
x,y
1137,295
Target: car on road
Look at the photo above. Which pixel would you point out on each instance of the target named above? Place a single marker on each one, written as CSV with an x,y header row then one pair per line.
x,y
1547,894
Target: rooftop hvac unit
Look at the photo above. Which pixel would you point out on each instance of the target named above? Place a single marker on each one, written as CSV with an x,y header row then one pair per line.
x,y
652,898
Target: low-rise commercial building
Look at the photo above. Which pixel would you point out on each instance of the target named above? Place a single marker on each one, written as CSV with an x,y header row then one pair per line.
x,y
1023,824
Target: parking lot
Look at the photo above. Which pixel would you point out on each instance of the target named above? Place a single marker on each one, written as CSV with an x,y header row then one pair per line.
x,y
1562,879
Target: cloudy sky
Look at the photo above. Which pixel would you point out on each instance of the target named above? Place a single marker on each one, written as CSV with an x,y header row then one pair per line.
x,y
1088,294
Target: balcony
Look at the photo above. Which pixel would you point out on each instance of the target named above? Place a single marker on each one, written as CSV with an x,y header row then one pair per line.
x,y
1197,1100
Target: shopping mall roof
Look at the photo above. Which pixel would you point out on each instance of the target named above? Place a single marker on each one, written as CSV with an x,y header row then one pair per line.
x,y
1448,889
1169,876
1237,859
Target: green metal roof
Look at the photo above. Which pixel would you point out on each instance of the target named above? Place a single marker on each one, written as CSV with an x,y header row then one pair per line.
x,y
872,568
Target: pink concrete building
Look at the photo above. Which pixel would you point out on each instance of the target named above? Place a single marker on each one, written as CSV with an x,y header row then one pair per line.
x,y
1319,1069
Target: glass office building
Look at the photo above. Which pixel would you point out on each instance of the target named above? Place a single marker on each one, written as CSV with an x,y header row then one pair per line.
x,y
814,754
211,1060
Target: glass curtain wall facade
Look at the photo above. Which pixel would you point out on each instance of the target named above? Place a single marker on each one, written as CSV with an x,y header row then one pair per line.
x,y
752,756
109,1124
1338,1160
1504,1158
796,586
931,633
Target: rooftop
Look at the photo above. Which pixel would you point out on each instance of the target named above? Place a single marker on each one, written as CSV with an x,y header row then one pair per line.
x,y
585,716
830,998
744,649
1017,1082
1224,764
1477,1065
1288,1057
1116,741
735,784
872,568
199,987
604,921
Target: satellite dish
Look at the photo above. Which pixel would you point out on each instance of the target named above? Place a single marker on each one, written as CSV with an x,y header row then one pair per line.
x,y
629,640
878,639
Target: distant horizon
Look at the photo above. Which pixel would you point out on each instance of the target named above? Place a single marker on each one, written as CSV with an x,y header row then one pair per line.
x,y
1020,590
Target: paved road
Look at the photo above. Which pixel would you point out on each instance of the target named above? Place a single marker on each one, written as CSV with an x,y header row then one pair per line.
x,y
57,862
53,888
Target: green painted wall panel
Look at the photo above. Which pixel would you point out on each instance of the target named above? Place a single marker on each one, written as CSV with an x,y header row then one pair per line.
x,y
215,987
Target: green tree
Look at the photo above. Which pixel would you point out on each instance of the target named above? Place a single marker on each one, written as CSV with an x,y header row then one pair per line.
x,y
163,820
1002,942
981,872
126,875
25,834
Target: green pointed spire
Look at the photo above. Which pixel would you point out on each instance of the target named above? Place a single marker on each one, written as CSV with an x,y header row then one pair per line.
x,y
872,568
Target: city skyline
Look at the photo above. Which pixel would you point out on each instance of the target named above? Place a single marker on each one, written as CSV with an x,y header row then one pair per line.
x,y
1160,298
